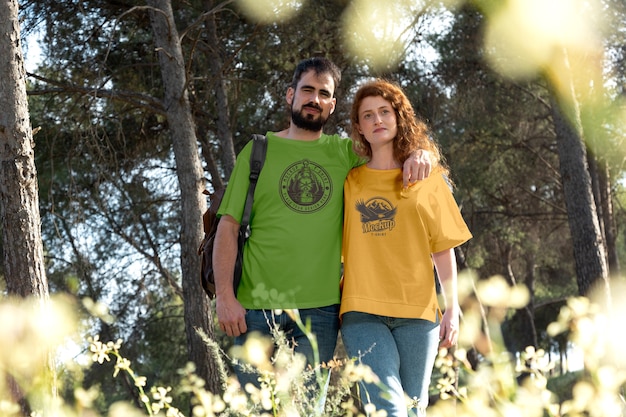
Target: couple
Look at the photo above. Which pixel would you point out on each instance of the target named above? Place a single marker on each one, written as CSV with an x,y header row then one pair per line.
x,y
392,233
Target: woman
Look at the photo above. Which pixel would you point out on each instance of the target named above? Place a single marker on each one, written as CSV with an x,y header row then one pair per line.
x,y
391,319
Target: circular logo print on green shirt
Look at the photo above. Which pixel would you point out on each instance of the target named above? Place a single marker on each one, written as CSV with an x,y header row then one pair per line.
x,y
305,186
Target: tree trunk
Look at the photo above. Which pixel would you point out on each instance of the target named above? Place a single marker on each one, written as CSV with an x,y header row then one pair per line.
x,y
608,218
528,312
24,270
224,133
601,184
589,252
522,331
592,165
198,313
19,200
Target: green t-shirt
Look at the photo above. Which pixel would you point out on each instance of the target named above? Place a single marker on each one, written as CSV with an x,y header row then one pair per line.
x,y
293,256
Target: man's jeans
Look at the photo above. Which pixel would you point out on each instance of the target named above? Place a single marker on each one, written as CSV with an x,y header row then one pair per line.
x,y
324,325
401,352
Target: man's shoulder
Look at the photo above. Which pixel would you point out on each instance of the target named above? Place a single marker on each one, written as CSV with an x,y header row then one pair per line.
x,y
335,137
324,138
338,141
283,135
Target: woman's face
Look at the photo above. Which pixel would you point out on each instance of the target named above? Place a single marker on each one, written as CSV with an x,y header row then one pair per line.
x,y
377,121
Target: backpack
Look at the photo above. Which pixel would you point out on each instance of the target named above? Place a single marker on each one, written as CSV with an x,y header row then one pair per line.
x,y
210,221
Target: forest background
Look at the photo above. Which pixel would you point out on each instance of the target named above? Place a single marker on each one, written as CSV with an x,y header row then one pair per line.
x,y
137,107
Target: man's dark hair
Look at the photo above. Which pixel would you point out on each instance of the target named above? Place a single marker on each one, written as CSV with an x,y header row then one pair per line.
x,y
320,65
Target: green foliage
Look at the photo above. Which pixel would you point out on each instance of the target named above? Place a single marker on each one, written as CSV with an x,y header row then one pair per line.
x,y
563,385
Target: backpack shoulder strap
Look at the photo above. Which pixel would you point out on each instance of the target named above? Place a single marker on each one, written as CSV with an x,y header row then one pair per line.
x,y
257,156
257,159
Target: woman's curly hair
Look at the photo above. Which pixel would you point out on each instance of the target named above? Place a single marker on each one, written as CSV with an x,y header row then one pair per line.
x,y
413,132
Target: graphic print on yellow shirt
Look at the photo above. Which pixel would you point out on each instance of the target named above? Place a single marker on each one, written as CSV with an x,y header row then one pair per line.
x,y
377,215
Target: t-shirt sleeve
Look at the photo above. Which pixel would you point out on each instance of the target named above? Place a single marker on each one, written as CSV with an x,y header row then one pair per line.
x,y
235,195
446,226
355,160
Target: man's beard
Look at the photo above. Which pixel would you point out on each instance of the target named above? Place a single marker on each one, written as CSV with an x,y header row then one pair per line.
x,y
308,121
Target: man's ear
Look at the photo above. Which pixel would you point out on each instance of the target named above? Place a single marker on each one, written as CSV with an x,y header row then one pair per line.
x,y
289,95
332,108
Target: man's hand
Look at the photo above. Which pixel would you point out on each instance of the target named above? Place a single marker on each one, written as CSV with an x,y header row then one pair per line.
x,y
231,316
417,167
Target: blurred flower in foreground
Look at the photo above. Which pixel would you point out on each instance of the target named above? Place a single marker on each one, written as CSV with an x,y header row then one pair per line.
x,y
270,11
256,351
496,292
31,330
523,35
594,329
615,336
373,31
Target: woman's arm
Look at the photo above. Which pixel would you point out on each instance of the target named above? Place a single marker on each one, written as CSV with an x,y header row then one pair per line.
x,y
445,263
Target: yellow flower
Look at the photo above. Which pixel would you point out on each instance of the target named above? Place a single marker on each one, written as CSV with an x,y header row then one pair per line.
x,y
84,397
140,381
100,350
122,364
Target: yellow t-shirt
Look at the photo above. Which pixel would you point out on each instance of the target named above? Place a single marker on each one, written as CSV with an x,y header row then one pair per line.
x,y
388,237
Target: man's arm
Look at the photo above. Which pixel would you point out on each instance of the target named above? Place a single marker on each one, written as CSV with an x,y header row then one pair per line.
x,y
445,262
230,313
417,167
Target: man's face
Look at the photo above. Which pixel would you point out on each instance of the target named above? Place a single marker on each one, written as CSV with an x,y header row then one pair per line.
x,y
312,101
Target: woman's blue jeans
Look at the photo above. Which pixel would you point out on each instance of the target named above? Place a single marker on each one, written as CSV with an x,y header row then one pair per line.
x,y
324,325
401,352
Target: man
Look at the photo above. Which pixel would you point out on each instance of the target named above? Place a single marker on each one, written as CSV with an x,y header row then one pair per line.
x,y
292,259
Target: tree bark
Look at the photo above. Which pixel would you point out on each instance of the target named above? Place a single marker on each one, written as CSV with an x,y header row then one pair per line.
x,y
24,270
588,246
198,313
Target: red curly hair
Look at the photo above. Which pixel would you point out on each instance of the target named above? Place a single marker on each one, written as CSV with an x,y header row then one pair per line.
x,y
413,133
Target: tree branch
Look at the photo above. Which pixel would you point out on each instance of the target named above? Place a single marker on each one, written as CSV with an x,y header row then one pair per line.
x,y
136,99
